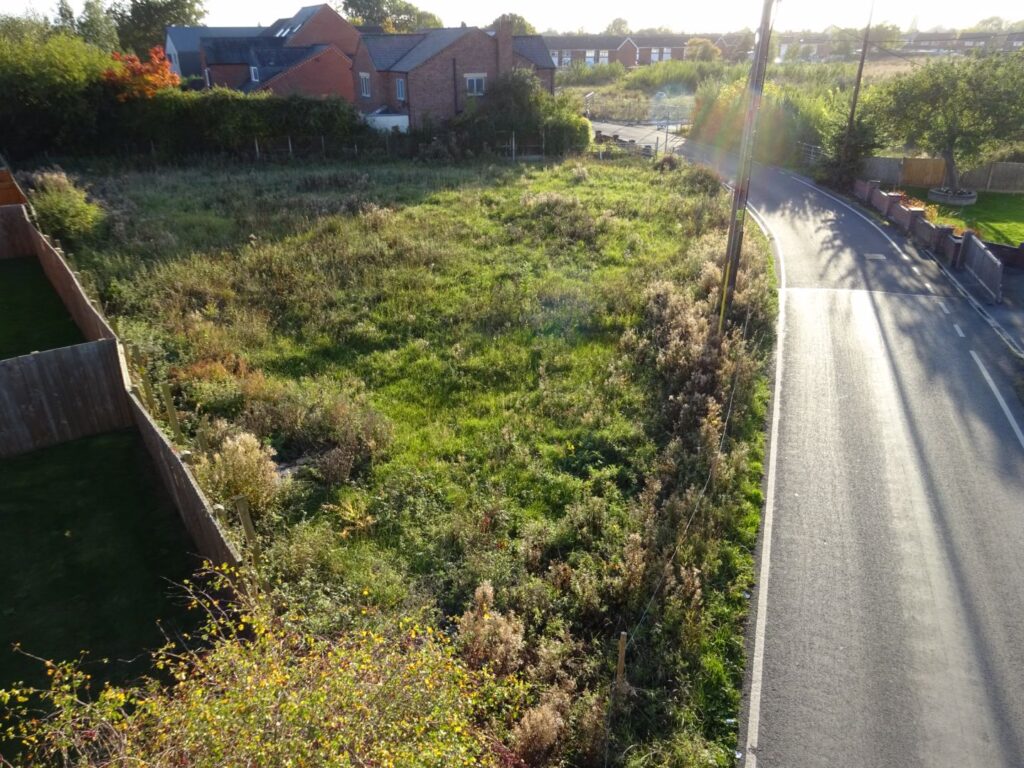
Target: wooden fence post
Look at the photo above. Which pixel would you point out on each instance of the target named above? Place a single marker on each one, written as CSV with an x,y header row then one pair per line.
x,y
620,668
172,414
256,141
242,508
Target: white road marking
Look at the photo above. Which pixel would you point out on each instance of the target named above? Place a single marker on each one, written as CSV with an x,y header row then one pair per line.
x,y
959,330
944,307
757,663
916,270
1002,403
929,287
874,256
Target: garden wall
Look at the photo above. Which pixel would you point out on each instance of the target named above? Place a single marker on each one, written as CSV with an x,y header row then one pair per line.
x,y
51,397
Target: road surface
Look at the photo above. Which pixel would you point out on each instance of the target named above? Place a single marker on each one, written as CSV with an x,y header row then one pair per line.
x,y
888,626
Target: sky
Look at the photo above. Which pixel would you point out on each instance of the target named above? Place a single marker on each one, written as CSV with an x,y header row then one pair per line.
x,y
593,15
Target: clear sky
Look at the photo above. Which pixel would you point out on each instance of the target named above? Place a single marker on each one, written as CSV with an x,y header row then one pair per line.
x,y
594,15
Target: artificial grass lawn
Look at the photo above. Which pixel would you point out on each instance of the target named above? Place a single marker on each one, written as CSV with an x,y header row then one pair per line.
x,y
32,316
88,542
997,216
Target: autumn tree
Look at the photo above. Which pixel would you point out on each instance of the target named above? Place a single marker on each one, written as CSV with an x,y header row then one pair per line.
x,y
954,109
520,26
133,78
701,49
141,24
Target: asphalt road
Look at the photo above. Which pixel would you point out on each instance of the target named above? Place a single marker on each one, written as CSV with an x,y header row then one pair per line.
x,y
888,625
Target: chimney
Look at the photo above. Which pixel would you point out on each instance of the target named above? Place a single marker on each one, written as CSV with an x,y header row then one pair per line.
x,y
503,37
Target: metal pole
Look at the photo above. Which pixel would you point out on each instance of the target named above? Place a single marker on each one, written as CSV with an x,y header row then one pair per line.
x,y
755,88
856,86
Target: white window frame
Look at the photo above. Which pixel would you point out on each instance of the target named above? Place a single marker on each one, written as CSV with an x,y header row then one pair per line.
x,y
400,89
655,55
254,74
476,77
206,74
602,57
666,55
566,58
556,57
591,56
364,85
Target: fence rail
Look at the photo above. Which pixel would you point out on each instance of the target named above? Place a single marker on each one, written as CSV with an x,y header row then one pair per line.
x,y
931,172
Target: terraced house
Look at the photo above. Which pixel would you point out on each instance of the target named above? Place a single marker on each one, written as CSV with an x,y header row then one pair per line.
x,y
396,80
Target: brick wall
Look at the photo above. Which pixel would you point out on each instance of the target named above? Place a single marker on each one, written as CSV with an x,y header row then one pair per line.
x,y
327,27
229,75
328,73
626,55
437,88
546,76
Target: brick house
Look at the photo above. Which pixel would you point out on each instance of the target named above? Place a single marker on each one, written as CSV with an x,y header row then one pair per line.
x,y
565,50
309,53
431,76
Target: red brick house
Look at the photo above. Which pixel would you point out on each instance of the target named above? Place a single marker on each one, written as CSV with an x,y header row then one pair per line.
x,y
309,53
431,76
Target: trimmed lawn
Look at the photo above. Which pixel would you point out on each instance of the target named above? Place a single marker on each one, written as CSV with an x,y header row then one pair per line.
x,y
32,316
997,216
88,542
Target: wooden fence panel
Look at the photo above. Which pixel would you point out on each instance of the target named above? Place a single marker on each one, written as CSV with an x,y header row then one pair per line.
x,y
192,505
62,394
18,237
922,172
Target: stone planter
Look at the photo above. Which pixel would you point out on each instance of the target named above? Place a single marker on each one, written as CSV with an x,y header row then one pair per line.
x,y
949,197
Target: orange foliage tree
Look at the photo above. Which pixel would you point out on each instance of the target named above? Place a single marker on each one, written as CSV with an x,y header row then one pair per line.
x,y
135,79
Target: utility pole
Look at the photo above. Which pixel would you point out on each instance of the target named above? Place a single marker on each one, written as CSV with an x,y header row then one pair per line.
x,y
856,87
755,87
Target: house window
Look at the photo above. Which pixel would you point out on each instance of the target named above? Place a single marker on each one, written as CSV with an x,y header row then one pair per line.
x,y
400,89
555,58
603,57
206,74
566,58
666,55
476,84
655,55
590,57
364,84
254,74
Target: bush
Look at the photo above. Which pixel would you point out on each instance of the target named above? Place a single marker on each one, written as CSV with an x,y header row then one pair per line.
x,y
63,210
599,74
488,638
241,467
518,103
267,693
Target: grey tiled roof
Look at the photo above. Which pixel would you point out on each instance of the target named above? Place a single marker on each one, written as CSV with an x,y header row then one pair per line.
x,y
534,49
434,41
187,38
582,42
386,50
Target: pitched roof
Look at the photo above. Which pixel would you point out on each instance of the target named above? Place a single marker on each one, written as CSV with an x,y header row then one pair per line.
x,y
403,53
289,26
186,39
434,41
533,49
386,50
660,41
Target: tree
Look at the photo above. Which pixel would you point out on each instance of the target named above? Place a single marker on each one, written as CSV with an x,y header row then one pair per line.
x,y
991,24
701,49
520,26
65,19
617,27
31,26
883,34
654,31
141,23
391,15
954,109
97,27
135,79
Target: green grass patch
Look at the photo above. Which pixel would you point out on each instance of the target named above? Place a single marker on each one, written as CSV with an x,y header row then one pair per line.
x,y
997,216
32,316
88,542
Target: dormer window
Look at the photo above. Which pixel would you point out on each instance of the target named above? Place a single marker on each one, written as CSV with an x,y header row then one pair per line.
x,y
254,74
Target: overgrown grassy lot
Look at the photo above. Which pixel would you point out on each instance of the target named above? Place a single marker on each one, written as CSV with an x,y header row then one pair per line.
x,y
91,548
503,410
997,216
32,316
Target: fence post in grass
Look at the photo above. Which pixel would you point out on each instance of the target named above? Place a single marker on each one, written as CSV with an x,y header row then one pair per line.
x,y
172,414
323,147
657,146
242,508
291,154
620,668
256,141
513,146
147,391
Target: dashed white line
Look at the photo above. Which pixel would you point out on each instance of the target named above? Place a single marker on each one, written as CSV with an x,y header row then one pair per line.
x,y
916,270
1002,403
959,330
929,287
944,307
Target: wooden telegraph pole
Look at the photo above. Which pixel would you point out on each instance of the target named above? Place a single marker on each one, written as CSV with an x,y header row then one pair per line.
x,y
856,87
755,87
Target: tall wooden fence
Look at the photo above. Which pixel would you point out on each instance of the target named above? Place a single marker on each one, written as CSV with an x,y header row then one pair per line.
x,y
18,237
931,172
51,397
